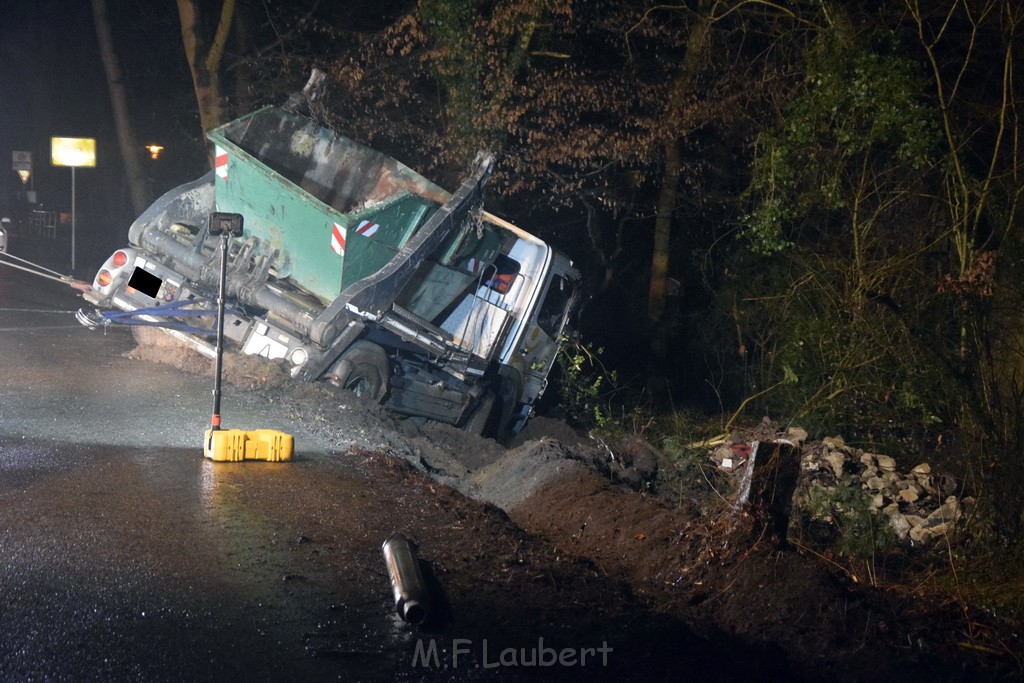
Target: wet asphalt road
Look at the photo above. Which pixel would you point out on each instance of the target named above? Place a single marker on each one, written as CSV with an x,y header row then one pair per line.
x,y
124,554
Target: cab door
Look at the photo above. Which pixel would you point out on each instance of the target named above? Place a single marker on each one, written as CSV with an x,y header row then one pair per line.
x,y
539,345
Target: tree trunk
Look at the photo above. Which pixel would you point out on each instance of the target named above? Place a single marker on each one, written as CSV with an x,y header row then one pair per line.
x,y
204,57
130,147
693,61
663,232
682,86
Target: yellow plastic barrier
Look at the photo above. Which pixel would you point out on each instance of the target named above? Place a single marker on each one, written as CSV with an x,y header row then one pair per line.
x,y
233,445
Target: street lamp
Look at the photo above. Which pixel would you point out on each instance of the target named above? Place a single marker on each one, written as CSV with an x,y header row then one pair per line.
x,y
73,152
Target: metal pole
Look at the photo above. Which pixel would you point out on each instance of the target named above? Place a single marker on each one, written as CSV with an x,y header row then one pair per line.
x,y
72,219
215,419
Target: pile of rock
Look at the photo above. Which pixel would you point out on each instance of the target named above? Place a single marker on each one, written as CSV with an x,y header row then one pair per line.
x,y
920,506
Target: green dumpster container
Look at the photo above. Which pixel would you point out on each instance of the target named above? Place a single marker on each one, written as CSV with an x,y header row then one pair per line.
x,y
336,210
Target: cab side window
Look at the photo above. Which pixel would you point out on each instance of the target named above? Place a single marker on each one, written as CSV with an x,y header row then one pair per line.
x,y
552,310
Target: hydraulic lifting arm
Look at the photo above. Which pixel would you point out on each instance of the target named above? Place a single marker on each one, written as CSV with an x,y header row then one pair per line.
x,y
372,296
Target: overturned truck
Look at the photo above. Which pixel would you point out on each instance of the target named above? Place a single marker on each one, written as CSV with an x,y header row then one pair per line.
x,y
352,268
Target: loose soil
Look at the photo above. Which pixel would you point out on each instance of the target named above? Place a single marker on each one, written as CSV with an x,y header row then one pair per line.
x,y
566,523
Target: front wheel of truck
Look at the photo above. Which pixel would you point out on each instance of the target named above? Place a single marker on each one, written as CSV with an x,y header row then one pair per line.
x,y
479,421
363,369
492,417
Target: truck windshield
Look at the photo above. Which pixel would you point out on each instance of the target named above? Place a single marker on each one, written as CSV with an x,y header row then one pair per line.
x,y
464,261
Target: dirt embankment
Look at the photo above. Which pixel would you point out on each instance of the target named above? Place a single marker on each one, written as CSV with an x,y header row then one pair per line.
x,y
722,569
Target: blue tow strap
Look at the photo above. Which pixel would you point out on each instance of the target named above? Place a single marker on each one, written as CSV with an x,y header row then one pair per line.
x,y
176,309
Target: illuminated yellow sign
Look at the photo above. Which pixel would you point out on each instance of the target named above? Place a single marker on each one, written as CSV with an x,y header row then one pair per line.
x,y
73,151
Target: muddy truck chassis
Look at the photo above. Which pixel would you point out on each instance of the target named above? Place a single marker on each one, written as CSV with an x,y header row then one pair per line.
x,y
352,268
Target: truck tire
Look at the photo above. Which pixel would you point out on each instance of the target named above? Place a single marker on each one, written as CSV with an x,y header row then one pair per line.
x,y
492,418
508,399
363,369
479,421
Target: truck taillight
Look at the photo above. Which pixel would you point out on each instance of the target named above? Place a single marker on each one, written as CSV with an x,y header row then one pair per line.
x,y
104,278
120,258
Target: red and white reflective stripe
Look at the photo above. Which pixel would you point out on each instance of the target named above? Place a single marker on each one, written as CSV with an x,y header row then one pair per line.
x,y
220,161
338,239
367,229
474,265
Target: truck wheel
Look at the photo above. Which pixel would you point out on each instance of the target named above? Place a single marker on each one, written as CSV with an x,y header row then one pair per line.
x,y
479,421
492,418
507,401
363,370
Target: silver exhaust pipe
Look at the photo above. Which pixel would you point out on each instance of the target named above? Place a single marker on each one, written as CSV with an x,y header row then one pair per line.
x,y
406,579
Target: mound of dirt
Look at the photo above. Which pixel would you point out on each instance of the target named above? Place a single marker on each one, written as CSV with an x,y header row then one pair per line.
x,y
520,473
541,427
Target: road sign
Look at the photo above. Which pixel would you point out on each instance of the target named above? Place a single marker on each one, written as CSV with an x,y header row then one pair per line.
x,y
22,161
73,152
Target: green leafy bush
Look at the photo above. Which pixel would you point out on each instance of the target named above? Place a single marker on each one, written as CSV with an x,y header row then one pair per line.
x,y
586,385
859,532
